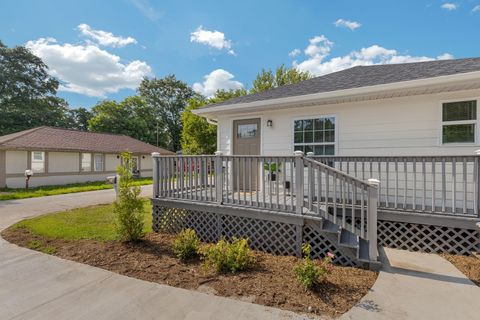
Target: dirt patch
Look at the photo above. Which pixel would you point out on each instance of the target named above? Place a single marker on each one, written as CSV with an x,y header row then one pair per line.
x,y
270,283
468,265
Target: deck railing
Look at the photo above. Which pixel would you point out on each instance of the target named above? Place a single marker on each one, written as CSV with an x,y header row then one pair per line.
x,y
447,185
288,185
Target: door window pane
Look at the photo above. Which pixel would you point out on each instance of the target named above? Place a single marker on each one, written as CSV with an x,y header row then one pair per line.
x,y
246,130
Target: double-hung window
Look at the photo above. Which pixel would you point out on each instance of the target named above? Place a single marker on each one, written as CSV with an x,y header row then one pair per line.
x,y
86,162
315,135
38,161
98,162
459,122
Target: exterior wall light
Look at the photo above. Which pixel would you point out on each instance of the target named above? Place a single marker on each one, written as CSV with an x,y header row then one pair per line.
x,y
269,123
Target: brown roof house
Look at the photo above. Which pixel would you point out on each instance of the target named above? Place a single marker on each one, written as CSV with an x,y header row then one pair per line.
x,y
62,156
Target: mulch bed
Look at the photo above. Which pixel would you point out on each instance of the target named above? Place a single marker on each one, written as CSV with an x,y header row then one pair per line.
x,y
468,265
270,283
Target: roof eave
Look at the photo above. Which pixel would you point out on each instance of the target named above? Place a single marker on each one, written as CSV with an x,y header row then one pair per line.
x,y
211,112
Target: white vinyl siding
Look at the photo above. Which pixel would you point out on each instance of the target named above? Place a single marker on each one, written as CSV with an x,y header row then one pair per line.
x,y
38,161
396,127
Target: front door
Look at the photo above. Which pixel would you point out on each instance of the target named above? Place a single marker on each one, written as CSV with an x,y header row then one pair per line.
x,y
246,142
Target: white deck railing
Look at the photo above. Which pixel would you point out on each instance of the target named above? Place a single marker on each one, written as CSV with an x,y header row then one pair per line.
x,y
288,185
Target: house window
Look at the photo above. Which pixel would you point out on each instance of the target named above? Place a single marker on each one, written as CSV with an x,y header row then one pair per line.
x,y
459,121
98,163
315,135
38,161
86,162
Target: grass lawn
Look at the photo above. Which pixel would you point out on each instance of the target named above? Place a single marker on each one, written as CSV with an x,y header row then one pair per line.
x,y
90,223
9,194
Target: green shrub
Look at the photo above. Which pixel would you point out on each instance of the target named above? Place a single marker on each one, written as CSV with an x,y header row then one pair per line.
x,y
229,256
310,272
129,206
186,245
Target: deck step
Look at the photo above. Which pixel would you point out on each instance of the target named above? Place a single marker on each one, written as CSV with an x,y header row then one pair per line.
x,y
362,252
348,239
330,227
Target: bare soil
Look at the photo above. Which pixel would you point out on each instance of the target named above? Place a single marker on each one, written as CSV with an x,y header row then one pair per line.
x,y
271,282
468,265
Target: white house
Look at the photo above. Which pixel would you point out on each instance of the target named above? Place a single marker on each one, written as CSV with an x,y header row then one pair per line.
x,y
385,154
62,156
424,108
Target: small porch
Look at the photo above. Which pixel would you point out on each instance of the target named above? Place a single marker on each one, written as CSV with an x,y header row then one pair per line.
x,y
348,205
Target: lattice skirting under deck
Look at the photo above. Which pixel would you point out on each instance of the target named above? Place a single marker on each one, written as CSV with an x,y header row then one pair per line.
x,y
427,238
270,236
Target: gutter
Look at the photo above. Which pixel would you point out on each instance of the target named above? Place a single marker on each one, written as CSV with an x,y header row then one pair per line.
x,y
337,94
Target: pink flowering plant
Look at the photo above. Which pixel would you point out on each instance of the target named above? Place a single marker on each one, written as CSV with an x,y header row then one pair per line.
x,y
311,273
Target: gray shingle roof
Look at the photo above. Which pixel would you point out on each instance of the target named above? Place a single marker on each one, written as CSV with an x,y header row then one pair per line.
x,y
59,139
363,76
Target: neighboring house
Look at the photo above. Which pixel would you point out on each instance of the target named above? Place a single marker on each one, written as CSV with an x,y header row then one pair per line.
x,y
384,154
61,156
424,108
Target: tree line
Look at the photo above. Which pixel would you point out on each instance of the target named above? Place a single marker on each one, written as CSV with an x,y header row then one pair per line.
x,y
160,113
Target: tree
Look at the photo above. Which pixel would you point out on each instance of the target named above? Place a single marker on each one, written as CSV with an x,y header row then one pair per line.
x,y
168,97
27,92
266,79
131,117
198,136
79,118
129,205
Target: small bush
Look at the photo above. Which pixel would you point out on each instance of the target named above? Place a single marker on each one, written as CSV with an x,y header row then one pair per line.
x,y
229,256
129,206
186,245
310,272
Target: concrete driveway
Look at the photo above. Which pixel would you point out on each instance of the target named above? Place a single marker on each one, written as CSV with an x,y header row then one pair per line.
x,y
410,285
38,286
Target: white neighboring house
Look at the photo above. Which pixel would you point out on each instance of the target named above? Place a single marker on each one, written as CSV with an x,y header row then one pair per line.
x,y
61,156
424,108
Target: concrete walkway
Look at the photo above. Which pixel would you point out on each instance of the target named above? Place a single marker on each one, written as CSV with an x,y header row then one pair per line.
x,y
38,286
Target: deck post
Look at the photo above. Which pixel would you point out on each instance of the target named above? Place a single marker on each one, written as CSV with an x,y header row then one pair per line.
x,y
476,186
372,218
155,156
311,179
299,177
218,177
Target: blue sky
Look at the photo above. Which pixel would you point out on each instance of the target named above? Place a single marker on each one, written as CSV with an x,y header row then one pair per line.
x,y
102,49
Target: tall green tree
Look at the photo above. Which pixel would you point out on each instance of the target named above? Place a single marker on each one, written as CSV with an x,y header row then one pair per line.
x,y
168,97
79,118
199,136
131,117
267,79
27,92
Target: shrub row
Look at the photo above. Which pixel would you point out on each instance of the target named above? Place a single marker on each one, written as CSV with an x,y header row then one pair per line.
x,y
233,256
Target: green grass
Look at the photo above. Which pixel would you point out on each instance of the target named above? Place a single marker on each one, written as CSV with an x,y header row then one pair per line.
x,y
10,194
93,223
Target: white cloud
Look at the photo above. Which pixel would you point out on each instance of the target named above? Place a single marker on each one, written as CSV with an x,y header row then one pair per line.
x,y
320,47
449,6
216,80
146,9
476,8
104,38
352,25
214,39
87,69
294,52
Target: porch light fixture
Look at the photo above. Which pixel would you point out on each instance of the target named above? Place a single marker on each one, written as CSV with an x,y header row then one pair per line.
x,y
269,123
